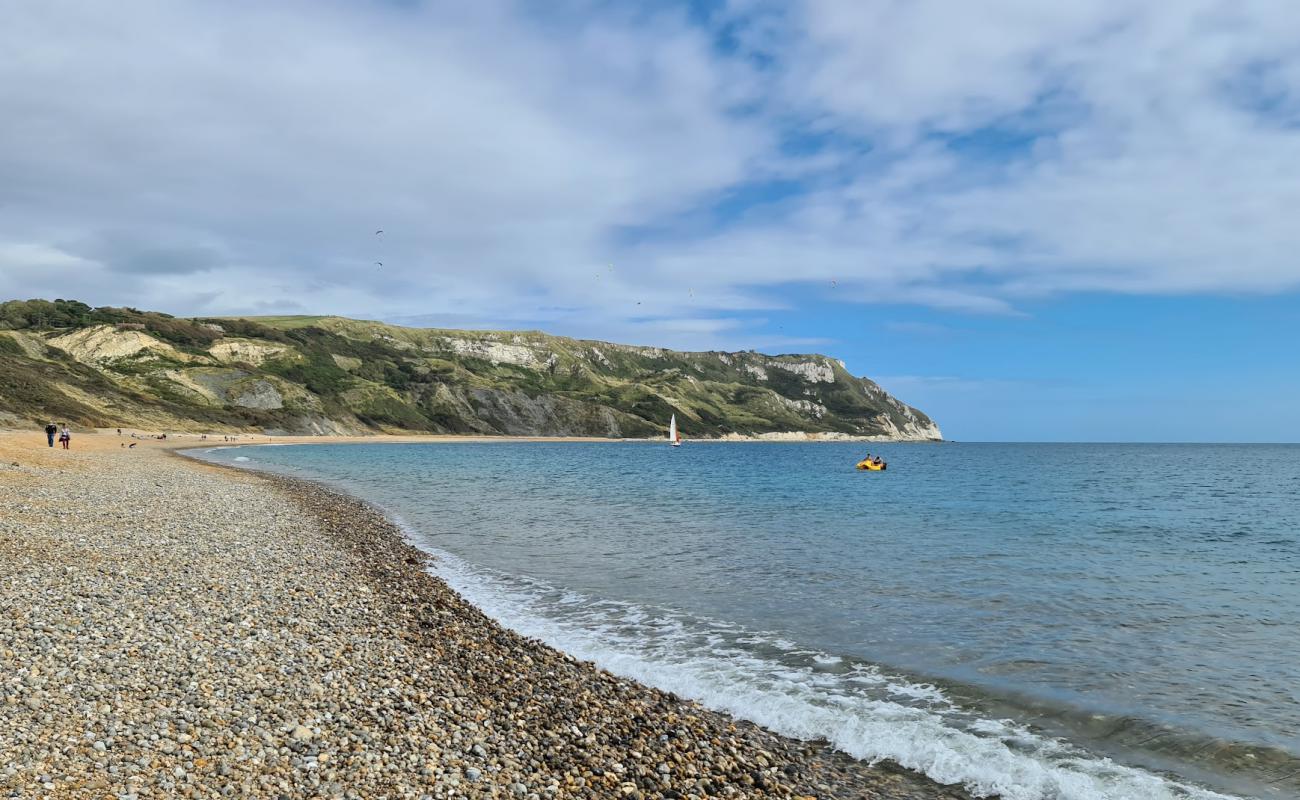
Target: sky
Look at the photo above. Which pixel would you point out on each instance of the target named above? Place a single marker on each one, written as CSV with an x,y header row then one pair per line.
x,y
1035,221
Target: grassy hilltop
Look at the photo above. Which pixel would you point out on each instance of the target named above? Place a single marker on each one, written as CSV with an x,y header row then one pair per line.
x,y
119,366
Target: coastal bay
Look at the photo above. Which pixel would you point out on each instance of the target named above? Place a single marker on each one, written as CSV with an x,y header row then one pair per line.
x,y
820,400
999,616
177,629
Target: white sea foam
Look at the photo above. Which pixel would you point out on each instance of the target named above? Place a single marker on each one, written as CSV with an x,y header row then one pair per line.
x,y
917,691
867,714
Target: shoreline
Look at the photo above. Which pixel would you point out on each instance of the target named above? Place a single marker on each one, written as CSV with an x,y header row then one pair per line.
x,y
398,571
1181,772
482,711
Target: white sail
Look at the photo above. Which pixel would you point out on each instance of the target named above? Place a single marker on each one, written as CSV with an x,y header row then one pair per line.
x,y
672,430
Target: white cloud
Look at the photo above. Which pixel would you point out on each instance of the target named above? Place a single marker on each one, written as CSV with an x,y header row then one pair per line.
x,y
497,155
1152,148
204,159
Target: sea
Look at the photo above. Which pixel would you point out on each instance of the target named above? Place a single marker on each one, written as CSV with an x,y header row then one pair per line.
x,y
1032,621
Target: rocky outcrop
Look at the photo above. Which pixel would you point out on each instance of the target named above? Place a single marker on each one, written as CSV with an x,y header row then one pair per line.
x,y
259,395
814,370
103,343
804,407
495,352
246,351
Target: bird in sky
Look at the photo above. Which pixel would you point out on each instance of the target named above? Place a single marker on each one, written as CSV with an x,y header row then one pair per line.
x,y
379,232
380,264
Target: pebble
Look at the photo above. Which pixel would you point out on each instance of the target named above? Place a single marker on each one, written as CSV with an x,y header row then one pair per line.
x,y
170,629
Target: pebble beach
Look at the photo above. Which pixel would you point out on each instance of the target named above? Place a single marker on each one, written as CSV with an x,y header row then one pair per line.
x,y
174,629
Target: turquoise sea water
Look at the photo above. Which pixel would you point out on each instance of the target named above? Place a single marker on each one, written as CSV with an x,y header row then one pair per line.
x,y
1039,621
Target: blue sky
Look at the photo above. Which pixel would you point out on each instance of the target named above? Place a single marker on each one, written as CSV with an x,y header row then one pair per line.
x,y
1067,221
1102,368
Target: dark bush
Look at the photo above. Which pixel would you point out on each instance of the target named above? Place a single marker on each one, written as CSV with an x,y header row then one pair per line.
x,y
17,314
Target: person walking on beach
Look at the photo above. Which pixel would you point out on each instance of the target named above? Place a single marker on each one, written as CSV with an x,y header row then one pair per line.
x,y
50,430
65,436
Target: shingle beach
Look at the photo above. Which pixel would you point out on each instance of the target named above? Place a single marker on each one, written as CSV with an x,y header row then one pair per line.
x,y
172,629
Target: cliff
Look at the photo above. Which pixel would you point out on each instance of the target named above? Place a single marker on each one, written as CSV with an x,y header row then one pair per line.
x,y
107,367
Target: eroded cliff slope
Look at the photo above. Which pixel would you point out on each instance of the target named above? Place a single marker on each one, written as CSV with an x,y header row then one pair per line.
x,y
333,375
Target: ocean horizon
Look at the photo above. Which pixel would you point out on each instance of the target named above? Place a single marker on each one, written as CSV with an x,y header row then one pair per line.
x,y
1033,620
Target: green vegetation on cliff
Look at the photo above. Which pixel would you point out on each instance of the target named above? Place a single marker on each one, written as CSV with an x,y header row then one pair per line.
x,y
120,366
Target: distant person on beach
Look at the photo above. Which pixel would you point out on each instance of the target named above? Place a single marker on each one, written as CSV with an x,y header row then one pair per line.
x,y
65,436
50,431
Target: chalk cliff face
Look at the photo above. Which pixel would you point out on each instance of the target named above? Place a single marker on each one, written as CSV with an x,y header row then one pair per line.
x,y
335,375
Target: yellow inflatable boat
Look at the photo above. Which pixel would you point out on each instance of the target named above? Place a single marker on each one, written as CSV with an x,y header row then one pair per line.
x,y
869,466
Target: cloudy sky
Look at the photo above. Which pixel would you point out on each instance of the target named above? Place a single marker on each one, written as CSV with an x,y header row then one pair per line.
x,y
1072,220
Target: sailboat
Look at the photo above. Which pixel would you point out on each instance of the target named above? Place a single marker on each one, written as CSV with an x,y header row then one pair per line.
x,y
674,438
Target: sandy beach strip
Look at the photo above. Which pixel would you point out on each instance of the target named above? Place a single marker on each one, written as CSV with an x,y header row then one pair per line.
x,y
172,629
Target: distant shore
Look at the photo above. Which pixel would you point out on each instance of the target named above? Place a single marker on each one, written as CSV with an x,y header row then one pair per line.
x,y
203,630
208,439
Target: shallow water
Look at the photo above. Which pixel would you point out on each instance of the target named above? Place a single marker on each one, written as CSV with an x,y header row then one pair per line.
x,y
1042,621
